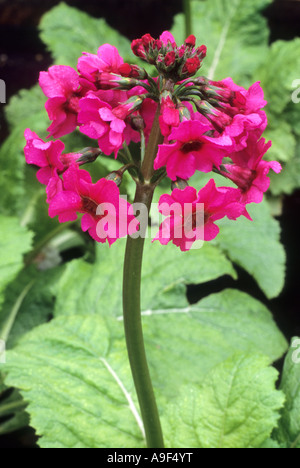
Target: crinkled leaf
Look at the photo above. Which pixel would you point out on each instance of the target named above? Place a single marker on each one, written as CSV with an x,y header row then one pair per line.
x,y
288,432
12,405
29,301
235,407
278,74
289,179
166,271
15,241
25,105
200,336
25,110
174,330
235,33
68,32
283,143
79,392
256,247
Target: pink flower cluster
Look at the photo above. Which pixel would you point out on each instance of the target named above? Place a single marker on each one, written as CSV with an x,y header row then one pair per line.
x,y
207,126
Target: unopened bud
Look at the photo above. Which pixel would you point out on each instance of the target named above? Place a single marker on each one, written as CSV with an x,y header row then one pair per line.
x,y
126,108
112,80
87,155
190,41
137,122
170,59
184,113
180,184
191,66
115,176
132,71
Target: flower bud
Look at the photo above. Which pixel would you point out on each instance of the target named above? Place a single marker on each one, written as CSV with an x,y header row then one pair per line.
x,y
190,41
191,66
137,122
115,176
132,71
179,184
112,80
126,108
87,155
170,59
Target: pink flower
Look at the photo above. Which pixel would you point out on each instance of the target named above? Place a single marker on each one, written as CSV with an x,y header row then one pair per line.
x,y
106,216
241,113
192,150
61,85
44,155
167,39
48,156
192,216
108,60
169,116
249,172
99,122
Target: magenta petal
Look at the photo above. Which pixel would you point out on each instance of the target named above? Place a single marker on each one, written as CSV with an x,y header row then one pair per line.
x,y
65,203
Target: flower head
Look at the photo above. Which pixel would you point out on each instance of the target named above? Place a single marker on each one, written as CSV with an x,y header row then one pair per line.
x,y
170,60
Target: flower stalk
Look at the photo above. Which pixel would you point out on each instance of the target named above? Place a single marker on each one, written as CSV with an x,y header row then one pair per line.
x,y
187,17
132,305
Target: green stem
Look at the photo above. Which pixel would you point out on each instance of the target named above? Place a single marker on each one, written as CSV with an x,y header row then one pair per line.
x,y
155,139
188,17
134,331
132,302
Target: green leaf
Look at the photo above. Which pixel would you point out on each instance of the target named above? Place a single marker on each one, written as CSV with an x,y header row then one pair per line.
x,y
289,179
12,414
29,302
235,33
174,330
202,335
68,32
235,407
79,391
15,241
166,271
278,74
25,110
288,432
256,247
25,105
283,142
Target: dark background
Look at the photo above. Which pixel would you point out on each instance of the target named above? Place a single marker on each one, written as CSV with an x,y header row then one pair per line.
x,y
23,55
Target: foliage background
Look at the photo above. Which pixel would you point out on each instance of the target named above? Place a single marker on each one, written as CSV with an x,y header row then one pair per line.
x,y
245,259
